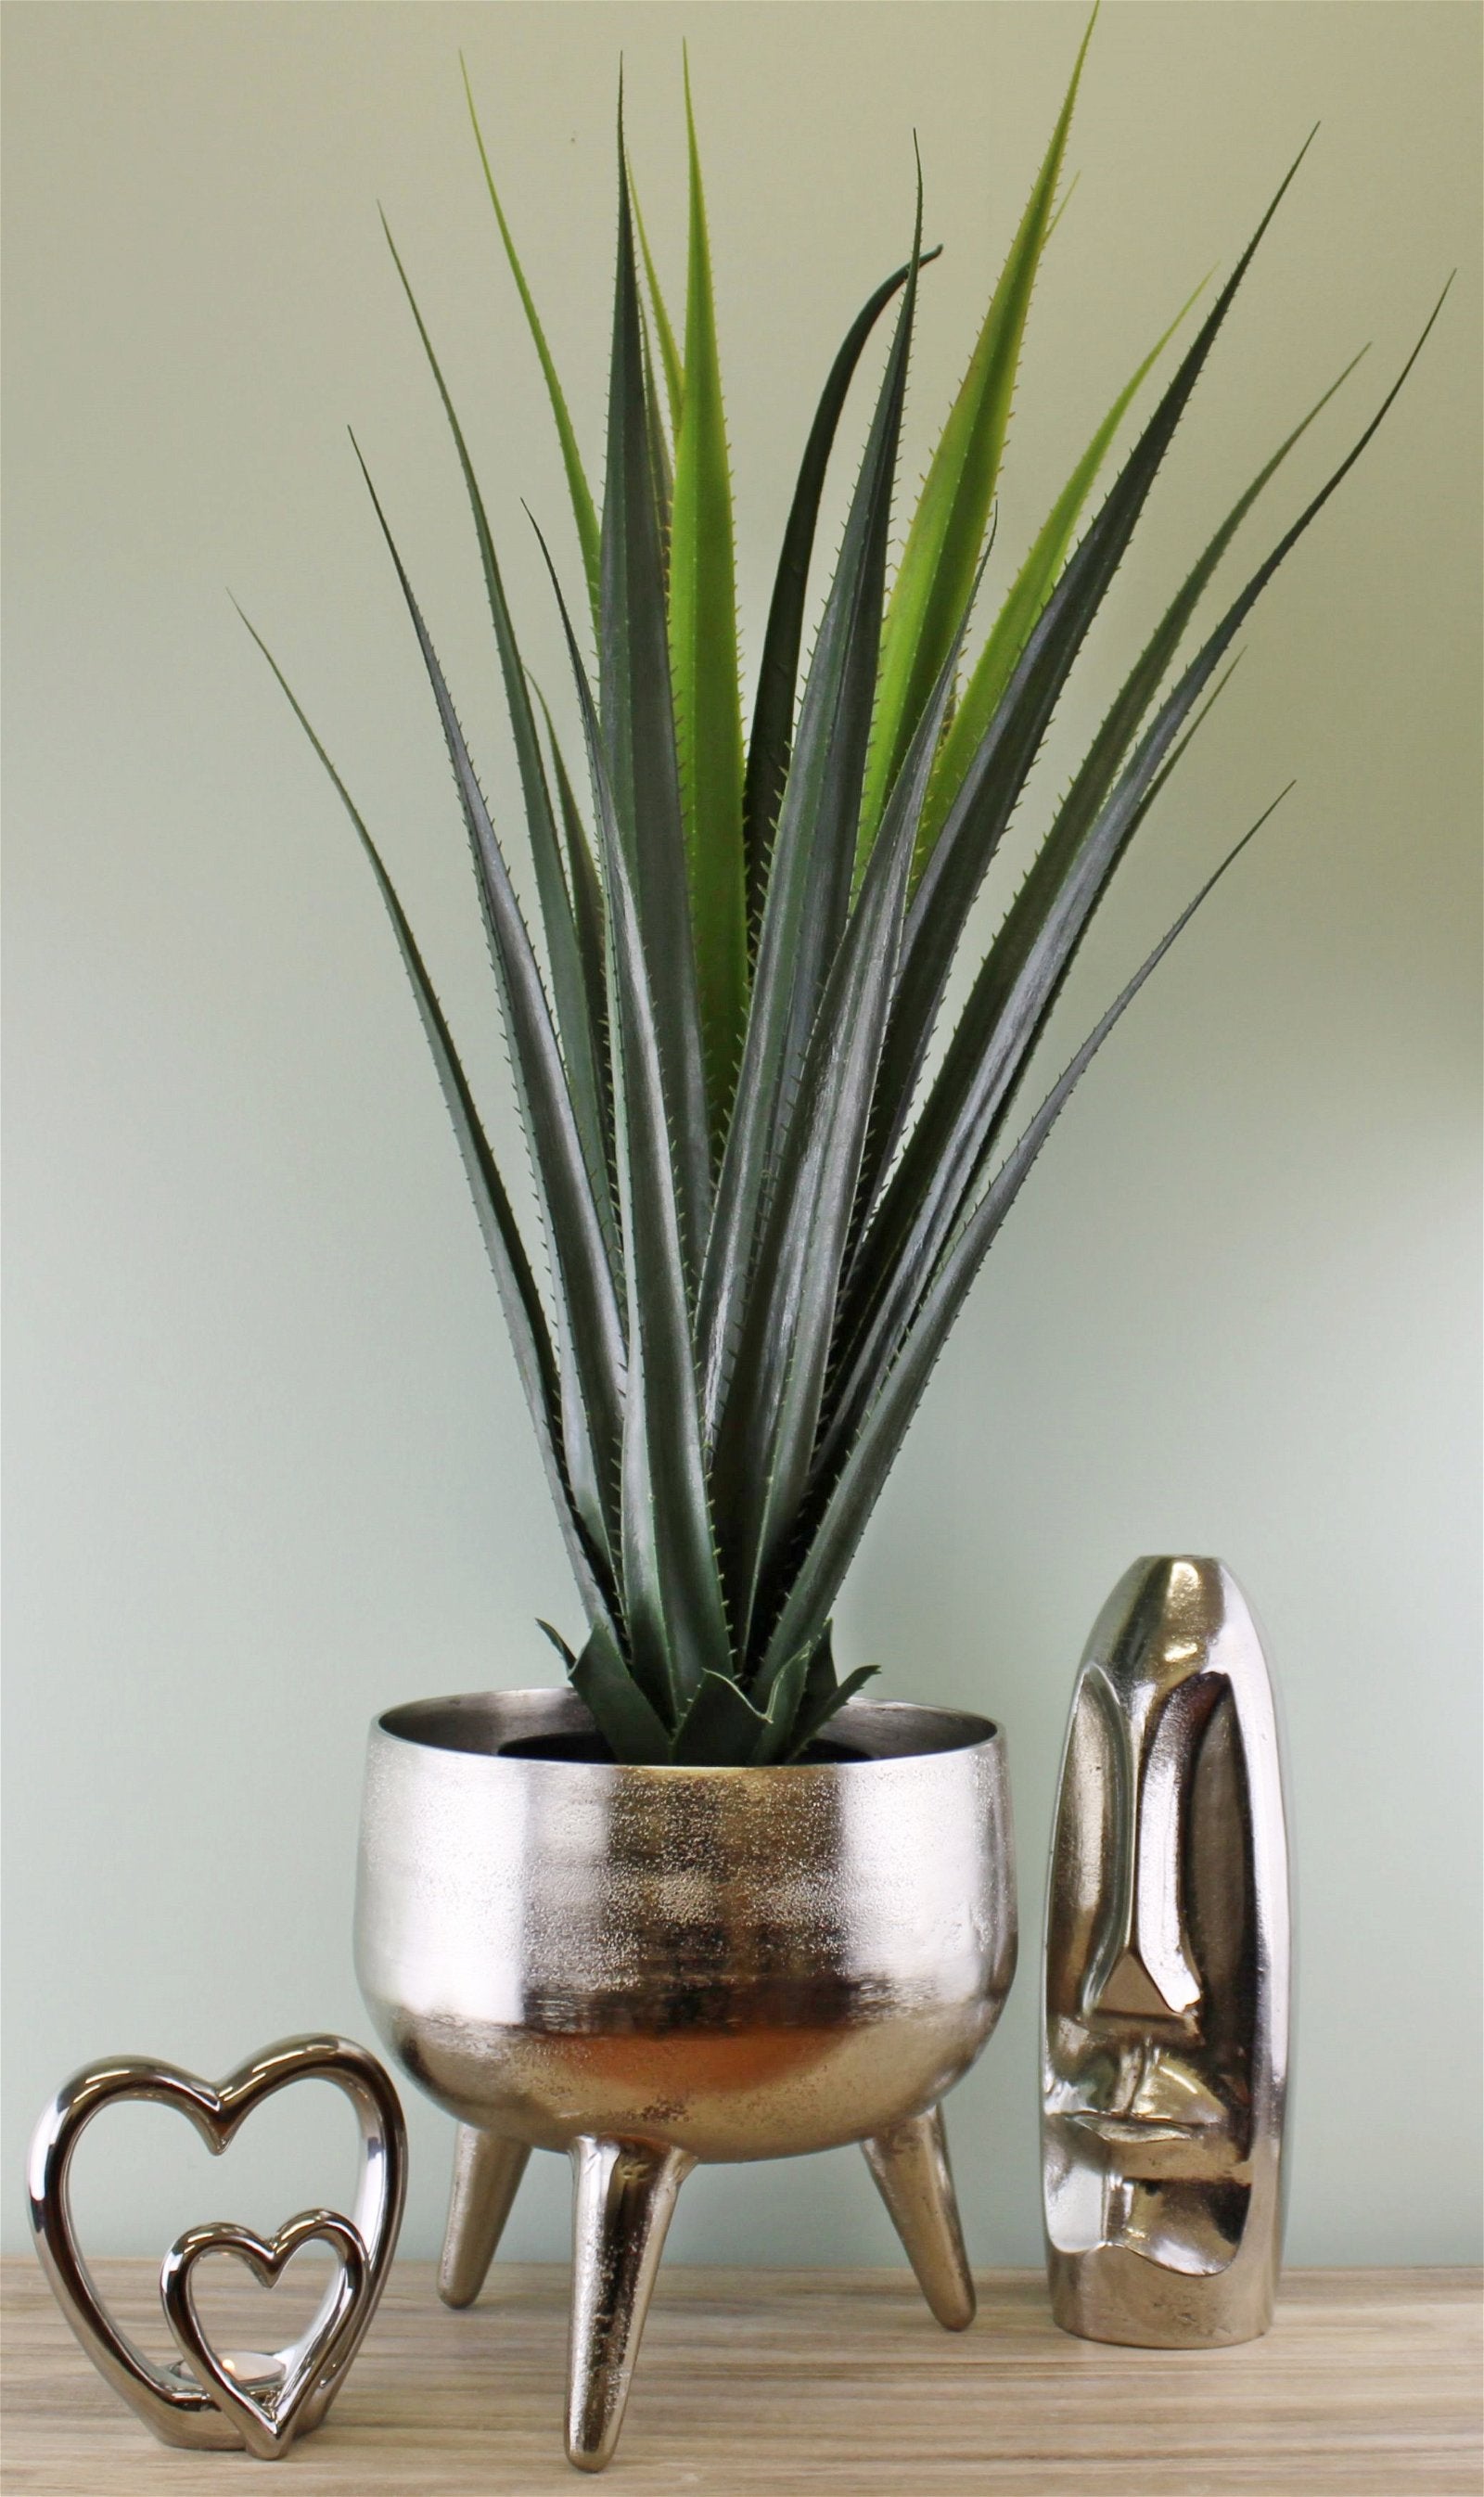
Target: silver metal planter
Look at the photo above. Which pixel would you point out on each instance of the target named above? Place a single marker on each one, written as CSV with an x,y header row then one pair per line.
x,y
1167,1964
647,1967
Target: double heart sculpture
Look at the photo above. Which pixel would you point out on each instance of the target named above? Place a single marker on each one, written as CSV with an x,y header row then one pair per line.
x,y
224,2400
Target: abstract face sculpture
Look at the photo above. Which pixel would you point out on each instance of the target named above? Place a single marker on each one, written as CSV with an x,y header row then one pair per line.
x,y
1167,1950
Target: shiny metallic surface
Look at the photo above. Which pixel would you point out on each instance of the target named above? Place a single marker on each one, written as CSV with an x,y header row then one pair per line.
x,y
718,1964
1165,2041
269,2406
487,2178
910,2166
286,2391
625,2196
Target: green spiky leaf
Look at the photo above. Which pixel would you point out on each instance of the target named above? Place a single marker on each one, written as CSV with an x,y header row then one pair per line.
x,y
519,1299
672,1600
670,354
809,880
703,658
930,595
639,740
1007,755
584,510
580,1035
1033,586
590,1349
633,1731
746,1296
773,720
853,1492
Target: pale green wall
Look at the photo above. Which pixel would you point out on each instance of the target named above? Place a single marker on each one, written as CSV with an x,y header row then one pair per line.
x,y
269,1467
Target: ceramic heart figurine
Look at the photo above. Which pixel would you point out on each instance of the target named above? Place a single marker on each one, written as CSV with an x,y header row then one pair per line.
x,y
230,2400
269,2415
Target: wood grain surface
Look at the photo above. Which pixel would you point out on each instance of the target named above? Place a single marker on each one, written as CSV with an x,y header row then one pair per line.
x,y
1368,2385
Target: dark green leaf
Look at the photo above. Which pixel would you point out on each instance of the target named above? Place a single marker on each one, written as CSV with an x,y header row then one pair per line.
x,y
772,717
619,1710
766,1435
1033,586
930,593
661,471
675,1615
847,1501
638,721
703,658
670,354
724,1729
808,883
582,876
590,1333
519,1299
998,775
581,1037
813,1717
584,511
1018,986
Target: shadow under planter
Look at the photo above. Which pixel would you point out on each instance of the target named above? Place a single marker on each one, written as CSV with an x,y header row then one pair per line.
x,y
651,1967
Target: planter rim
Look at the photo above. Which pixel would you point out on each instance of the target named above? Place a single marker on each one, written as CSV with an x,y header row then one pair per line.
x,y
893,1732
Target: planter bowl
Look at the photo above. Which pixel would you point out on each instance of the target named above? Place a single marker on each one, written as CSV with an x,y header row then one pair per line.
x,y
650,1966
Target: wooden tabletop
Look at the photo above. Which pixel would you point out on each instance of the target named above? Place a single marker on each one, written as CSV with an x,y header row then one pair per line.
x,y
1368,2385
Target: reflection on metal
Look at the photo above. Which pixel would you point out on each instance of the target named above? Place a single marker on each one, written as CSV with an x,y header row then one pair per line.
x,y
228,2400
910,2166
624,2195
487,2177
648,1968
1165,2044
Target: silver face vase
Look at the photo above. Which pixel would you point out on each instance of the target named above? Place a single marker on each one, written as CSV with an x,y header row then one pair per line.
x,y
650,1966
1165,2042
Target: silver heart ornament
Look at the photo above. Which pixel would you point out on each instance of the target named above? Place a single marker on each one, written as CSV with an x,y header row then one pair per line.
x,y
229,2401
269,2419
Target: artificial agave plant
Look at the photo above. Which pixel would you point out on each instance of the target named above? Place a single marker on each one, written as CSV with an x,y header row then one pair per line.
x,y
763,1203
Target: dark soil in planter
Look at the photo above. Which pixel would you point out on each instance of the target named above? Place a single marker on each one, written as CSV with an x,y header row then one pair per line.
x,y
820,1754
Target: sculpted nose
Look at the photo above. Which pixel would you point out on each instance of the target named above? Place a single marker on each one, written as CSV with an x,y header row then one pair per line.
x,y
1130,1992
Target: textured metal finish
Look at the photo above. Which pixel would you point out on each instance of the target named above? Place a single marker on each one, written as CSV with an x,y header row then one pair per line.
x,y
235,2400
622,2203
650,1966
910,2166
1165,2042
487,2178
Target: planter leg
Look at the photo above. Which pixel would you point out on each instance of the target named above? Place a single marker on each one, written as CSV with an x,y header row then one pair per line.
x,y
487,2171
910,2166
624,2195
